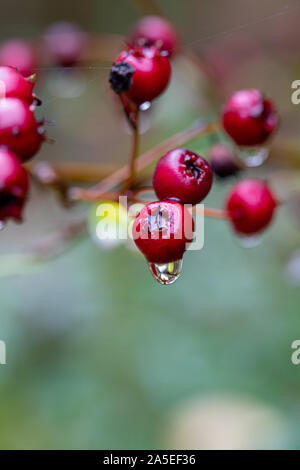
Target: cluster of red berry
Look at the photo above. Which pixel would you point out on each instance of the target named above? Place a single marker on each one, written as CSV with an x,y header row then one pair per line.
x,y
163,229
21,135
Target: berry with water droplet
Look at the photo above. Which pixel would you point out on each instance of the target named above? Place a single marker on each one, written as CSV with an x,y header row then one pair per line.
x,y
250,206
14,185
13,84
65,43
249,118
182,175
155,31
19,130
166,273
141,74
223,161
20,54
162,231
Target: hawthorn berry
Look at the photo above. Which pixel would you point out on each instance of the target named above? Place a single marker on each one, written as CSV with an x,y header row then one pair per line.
x,y
250,206
13,84
14,185
162,231
223,161
65,43
182,175
155,31
141,74
249,118
19,130
20,54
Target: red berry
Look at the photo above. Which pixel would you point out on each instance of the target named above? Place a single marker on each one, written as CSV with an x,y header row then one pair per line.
x,y
141,74
65,43
14,185
249,118
162,231
155,31
250,206
13,84
20,54
19,130
223,161
182,175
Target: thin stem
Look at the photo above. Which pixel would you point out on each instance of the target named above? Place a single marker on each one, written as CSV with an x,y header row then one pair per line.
x,y
81,172
134,153
215,213
134,196
198,129
92,197
130,110
144,189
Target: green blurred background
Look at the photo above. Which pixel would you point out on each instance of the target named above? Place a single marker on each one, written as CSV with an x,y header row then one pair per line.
x,y
99,356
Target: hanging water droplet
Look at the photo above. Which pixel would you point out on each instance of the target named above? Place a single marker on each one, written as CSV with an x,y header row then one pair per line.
x,y
145,106
254,156
250,241
166,273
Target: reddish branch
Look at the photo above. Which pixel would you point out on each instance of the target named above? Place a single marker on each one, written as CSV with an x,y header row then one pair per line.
x,y
198,129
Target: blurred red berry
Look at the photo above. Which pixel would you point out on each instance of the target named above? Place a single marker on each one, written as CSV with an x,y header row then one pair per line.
x,y
19,130
14,185
250,206
248,118
155,31
20,54
141,74
162,231
65,43
182,175
223,161
14,85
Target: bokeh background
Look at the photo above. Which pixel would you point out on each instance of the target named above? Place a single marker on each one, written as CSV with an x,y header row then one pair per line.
x,y
99,356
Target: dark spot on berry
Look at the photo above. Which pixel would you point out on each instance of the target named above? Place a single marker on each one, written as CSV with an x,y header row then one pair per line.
x,y
191,168
120,77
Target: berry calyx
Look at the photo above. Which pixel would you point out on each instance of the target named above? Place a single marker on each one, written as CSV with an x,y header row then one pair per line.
x,y
14,185
182,175
155,31
19,130
223,161
249,118
65,43
120,77
13,84
162,231
19,54
250,206
141,74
